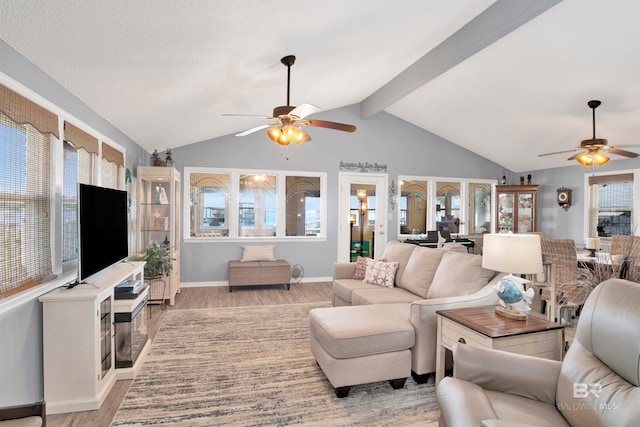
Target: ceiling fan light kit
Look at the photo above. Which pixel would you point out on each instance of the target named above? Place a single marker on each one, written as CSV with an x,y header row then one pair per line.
x,y
591,150
289,119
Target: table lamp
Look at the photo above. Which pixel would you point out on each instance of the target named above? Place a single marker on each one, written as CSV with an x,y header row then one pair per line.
x,y
593,244
513,254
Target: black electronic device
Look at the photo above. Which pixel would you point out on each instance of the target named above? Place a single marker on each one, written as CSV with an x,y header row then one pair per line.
x,y
102,229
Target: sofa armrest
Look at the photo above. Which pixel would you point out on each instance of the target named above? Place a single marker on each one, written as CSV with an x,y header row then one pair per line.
x,y
527,376
343,270
424,320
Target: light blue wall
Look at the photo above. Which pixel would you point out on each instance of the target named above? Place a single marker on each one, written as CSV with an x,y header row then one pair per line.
x,y
21,328
383,139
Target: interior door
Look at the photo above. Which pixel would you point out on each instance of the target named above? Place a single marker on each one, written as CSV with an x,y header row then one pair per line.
x,y
362,215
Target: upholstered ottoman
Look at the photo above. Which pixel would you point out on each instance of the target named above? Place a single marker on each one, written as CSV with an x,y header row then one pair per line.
x,y
362,344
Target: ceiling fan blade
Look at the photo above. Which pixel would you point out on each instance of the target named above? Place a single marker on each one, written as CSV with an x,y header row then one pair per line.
x,y
255,129
248,115
620,152
331,125
303,110
560,152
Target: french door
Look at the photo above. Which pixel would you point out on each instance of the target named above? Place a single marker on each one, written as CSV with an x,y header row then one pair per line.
x,y
362,213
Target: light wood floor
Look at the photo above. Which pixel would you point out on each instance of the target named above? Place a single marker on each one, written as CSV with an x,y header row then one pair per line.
x,y
188,298
208,297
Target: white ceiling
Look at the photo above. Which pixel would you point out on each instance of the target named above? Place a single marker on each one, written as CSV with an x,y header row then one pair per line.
x,y
164,71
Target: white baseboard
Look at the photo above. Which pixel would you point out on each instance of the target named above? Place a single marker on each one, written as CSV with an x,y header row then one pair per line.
x,y
226,282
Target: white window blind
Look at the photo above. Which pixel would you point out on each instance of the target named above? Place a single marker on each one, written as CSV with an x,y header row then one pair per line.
x,y
26,131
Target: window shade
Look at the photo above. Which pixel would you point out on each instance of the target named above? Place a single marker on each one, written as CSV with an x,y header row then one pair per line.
x,y
610,179
80,139
25,204
22,111
111,154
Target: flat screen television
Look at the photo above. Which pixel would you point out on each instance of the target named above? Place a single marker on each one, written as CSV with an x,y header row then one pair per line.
x,y
103,229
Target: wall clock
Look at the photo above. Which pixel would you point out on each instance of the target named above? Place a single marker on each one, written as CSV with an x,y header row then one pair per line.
x,y
564,197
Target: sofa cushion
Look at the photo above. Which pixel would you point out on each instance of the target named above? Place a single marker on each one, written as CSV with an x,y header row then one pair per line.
x,y
420,270
399,252
381,273
382,295
346,332
459,274
345,287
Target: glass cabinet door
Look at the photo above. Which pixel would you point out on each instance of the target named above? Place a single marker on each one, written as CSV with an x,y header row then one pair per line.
x,y
505,212
526,209
516,208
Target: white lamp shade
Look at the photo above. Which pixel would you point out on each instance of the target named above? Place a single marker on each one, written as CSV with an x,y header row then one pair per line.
x,y
512,253
593,243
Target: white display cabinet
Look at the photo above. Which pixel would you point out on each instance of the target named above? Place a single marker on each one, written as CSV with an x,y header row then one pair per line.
x,y
78,343
158,220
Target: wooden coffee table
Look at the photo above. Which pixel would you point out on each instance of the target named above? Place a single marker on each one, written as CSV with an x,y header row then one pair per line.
x,y
482,327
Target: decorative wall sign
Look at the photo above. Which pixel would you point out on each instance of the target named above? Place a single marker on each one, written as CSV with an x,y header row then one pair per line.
x,y
363,167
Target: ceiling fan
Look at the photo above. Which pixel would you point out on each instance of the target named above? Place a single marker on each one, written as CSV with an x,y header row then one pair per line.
x,y
593,150
285,125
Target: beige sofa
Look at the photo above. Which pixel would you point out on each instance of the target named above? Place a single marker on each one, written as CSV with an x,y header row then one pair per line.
x,y
427,280
597,383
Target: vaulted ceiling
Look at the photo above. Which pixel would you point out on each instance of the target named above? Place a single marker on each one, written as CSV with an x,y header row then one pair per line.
x,y
507,80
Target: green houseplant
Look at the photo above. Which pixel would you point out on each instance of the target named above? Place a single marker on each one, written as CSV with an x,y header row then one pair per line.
x,y
158,261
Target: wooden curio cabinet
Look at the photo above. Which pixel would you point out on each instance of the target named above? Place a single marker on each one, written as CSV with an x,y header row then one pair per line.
x,y
158,220
516,208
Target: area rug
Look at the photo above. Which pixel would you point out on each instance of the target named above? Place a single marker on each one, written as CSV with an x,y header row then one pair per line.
x,y
252,366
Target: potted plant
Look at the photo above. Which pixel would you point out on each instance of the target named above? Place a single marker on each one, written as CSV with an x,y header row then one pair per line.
x,y
158,261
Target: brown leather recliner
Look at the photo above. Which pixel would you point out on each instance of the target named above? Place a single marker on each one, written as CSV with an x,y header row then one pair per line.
x,y
595,385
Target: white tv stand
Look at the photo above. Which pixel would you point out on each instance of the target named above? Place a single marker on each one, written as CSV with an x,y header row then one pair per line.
x,y
78,340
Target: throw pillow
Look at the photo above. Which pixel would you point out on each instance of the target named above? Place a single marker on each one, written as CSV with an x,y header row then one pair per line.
x,y
380,272
459,274
361,266
257,253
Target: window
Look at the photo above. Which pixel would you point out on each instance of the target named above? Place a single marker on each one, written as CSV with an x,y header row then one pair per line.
x,y
303,209
448,202
459,205
257,213
26,131
69,204
254,204
413,206
208,204
609,210
479,212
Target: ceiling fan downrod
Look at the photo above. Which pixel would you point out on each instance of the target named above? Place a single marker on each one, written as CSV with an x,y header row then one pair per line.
x,y
288,61
593,104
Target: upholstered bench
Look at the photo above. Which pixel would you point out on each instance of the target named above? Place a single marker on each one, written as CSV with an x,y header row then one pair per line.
x,y
251,273
362,344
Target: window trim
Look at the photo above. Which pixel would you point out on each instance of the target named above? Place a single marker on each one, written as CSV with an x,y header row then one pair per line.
x,y
635,217
234,187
